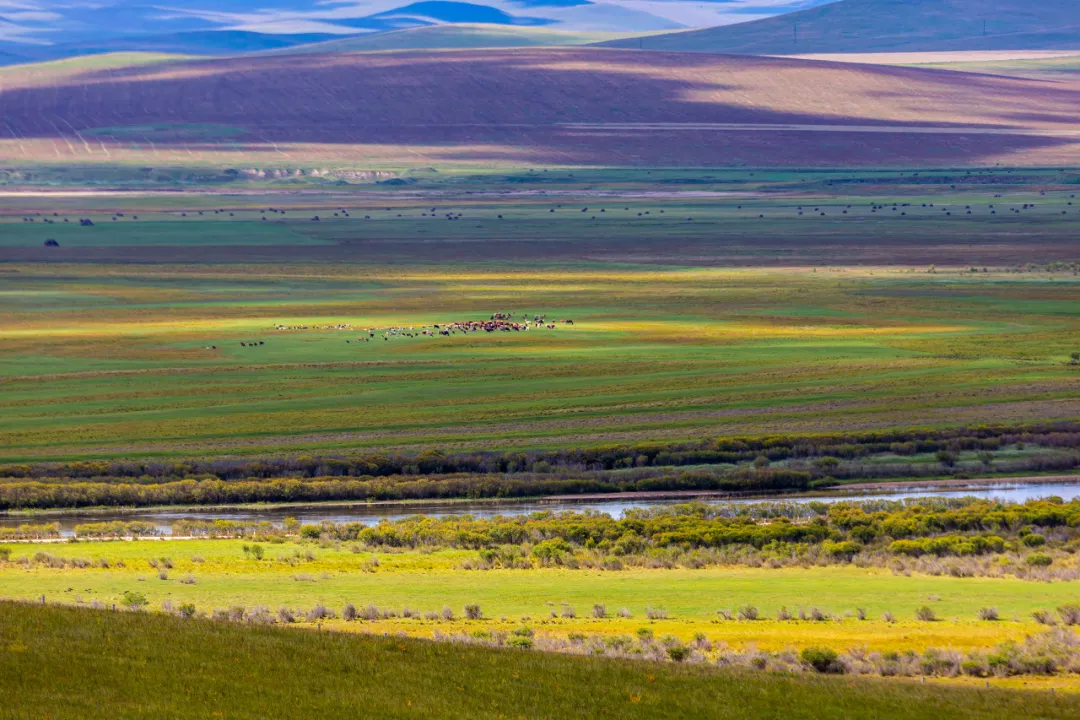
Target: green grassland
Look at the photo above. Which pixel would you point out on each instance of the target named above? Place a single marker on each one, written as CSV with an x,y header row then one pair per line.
x,y
114,360
224,577
703,303
69,663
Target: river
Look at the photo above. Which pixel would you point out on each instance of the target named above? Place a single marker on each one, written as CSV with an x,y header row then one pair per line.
x,y
371,513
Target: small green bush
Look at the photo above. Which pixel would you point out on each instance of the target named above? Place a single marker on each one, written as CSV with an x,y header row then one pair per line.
x,y
519,642
822,659
133,600
678,653
1034,540
1039,560
472,612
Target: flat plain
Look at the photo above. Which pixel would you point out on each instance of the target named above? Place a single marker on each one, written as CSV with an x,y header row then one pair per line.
x,y
696,312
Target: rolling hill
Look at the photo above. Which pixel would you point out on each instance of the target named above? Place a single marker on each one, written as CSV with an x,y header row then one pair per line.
x,y
887,26
231,27
441,37
562,106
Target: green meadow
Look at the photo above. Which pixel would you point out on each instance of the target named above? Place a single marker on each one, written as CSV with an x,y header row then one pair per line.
x,y
218,575
112,360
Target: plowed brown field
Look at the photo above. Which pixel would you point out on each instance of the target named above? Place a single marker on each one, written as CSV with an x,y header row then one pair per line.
x,y
555,106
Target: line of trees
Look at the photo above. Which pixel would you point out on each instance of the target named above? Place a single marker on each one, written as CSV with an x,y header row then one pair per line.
x,y
735,450
36,494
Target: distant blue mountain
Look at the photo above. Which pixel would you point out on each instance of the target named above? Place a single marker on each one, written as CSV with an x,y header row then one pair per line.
x,y
207,42
459,12
552,3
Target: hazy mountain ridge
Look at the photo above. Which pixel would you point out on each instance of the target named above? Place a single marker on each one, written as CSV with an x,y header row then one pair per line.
x,y
888,26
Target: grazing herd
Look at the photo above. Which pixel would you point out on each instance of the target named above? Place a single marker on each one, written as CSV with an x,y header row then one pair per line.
x,y
497,322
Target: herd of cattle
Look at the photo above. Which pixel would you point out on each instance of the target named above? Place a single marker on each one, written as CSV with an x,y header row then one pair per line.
x,y
497,322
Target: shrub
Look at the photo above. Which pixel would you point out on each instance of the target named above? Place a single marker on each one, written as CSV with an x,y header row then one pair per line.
x,y
163,574
187,610
5,554
472,612
133,600
286,616
1070,614
552,551
1034,540
319,612
988,613
599,611
311,532
783,614
678,653
973,667
657,613
946,458
348,614
447,614
188,579
625,613
748,612
841,550
644,634
860,613
1043,617
568,612
1039,560
522,643
926,614
888,617
821,659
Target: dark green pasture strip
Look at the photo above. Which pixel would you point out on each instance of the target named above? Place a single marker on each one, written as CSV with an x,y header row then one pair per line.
x,y
70,663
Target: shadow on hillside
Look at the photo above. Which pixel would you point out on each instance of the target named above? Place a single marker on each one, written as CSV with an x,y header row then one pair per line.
x,y
513,106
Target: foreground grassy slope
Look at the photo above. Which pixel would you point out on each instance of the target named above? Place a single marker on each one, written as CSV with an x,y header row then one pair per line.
x,y
76,663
